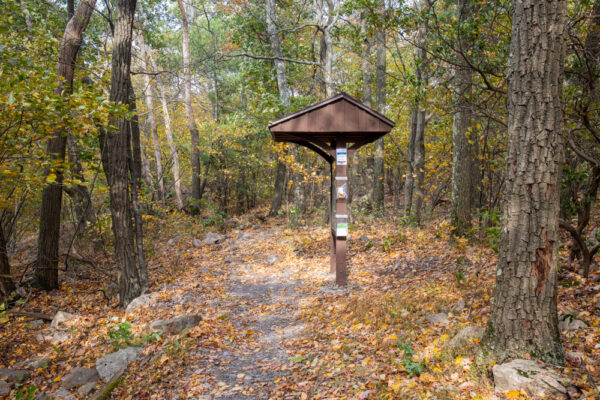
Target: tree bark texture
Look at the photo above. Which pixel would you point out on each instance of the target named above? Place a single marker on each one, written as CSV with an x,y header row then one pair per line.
x,y
462,157
46,269
169,135
189,113
524,316
115,144
380,105
6,282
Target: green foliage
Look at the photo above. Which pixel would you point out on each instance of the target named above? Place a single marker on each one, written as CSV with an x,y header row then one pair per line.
x,y
490,227
121,336
413,368
26,393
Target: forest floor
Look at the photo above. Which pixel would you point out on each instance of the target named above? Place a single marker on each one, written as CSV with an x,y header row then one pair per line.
x,y
275,327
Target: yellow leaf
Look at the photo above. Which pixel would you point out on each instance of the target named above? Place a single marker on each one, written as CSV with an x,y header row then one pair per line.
x,y
513,394
57,379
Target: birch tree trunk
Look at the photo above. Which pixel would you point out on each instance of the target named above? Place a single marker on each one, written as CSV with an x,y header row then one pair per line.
x,y
380,105
169,135
46,268
149,99
189,113
462,155
285,95
114,146
524,316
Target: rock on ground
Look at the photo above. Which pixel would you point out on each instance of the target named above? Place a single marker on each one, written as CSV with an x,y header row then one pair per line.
x,y
272,259
196,242
14,375
214,238
64,394
527,375
464,336
177,324
4,388
574,357
33,363
570,323
111,364
79,376
138,302
62,319
440,318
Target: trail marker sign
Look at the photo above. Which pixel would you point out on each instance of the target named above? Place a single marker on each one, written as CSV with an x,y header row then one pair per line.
x,y
334,129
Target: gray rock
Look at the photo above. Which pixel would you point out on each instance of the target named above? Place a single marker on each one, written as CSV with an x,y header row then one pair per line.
x,y
196,242
87,388
4,388
214,238
459,306
172,241
14,375
439,318
177,324
64,394
570,323
272,259
34,363
63,319
464,336
38,323
574,357
243,236
79,376
138,302
527,375
41,396
58,337
113,363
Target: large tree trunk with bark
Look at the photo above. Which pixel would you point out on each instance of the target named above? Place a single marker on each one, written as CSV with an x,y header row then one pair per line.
x,y
524,316
114,145
46,269
6,282
462,156
380,104
189,113
169,135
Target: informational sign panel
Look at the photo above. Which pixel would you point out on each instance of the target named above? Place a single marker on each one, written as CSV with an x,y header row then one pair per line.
x,y
341,229
341,156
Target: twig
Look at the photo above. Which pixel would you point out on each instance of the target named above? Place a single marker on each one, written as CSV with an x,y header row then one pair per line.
x,y
30,314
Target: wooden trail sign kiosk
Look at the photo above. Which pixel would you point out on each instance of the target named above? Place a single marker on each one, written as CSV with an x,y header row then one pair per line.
x,y
334,129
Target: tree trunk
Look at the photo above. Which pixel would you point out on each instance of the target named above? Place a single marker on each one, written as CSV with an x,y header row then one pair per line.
x,y
46,269
460,212
419,166
409,180
135,168
84,210
115,144
279,189
524,316
6,282
380,105
189,113
169,135
146,54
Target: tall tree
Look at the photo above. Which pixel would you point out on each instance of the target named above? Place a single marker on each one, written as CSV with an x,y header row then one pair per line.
x,y
380,105
413,185
151,122
114,142
524,316
169,135
285,94
462,155
6,282
327,16
46,268
189,113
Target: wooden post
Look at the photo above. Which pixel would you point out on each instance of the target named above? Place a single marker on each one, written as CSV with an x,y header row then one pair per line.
x,y
341,213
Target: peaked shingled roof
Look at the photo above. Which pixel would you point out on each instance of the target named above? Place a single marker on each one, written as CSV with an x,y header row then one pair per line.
x,y
331,100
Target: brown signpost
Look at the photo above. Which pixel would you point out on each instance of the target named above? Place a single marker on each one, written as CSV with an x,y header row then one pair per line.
x,y
334,129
